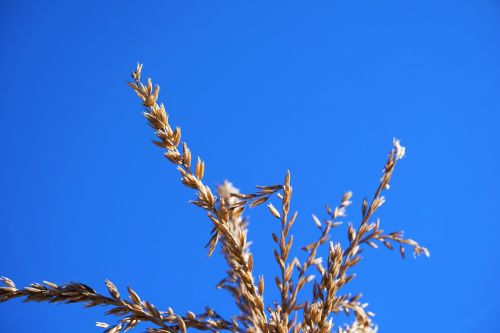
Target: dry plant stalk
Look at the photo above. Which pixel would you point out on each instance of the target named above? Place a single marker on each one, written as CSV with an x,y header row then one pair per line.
x,y
225,211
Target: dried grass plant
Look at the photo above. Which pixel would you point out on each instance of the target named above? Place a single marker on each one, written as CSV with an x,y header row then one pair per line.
x,y
225,210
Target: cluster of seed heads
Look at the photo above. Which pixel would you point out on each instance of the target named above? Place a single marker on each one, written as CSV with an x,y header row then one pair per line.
x,y
293,312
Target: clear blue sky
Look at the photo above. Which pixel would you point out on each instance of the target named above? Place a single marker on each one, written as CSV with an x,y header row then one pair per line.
x,y
259,87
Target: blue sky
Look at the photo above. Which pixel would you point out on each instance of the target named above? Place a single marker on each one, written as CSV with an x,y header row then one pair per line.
x,y
259,87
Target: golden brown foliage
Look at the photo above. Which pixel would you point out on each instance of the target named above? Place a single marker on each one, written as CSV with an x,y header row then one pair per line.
x,y
225,211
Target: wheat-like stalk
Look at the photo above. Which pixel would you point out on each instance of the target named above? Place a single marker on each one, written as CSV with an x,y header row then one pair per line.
x,y
225,212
